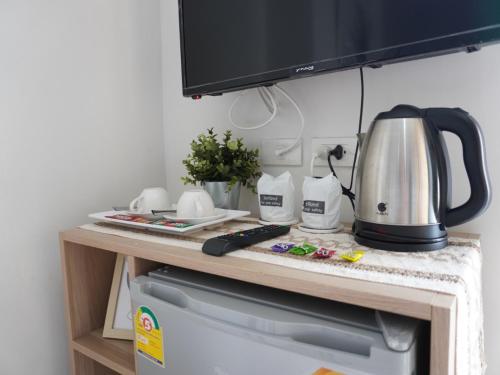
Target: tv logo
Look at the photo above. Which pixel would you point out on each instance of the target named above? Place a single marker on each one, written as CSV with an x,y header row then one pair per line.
x,y
305,69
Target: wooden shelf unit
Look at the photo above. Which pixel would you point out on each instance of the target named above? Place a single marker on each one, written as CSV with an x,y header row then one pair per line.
x,y
117,355
88,260
88,273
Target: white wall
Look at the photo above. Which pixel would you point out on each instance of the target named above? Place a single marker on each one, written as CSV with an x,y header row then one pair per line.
x,y
330,104
80,121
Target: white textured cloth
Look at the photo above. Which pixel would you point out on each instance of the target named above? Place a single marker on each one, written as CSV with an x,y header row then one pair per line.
x,y
455,270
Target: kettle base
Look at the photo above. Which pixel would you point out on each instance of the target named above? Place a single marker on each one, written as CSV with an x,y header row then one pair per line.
x,y
400,238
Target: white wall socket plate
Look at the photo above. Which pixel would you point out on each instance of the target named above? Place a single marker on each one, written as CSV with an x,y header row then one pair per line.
x,y
269,147
348,143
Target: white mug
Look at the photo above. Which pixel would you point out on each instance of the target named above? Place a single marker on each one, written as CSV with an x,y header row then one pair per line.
x,y
195,203
150,199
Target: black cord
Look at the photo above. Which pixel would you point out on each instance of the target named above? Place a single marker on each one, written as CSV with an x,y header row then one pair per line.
x,y
361,109
348,191
345,191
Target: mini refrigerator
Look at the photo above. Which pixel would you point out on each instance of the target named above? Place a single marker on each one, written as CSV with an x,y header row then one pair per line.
x,y
190,323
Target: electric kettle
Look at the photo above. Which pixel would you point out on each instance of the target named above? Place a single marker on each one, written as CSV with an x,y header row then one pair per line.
x,y
403,185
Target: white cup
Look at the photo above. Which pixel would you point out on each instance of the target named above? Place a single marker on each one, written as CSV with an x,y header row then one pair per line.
x,y
195,203
150,199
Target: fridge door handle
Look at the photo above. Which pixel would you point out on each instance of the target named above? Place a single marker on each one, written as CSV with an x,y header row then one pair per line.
x,y
327,338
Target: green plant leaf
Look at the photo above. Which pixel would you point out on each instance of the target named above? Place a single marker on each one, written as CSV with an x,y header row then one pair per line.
x,y
229,160
232,145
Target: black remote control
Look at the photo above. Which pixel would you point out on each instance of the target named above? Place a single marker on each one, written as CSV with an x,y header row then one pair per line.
x,y
230,242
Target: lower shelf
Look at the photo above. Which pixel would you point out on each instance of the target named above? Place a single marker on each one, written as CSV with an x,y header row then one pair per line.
x,y
117,355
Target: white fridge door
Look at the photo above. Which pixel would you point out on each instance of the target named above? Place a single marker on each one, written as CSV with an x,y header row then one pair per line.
x,y
204,333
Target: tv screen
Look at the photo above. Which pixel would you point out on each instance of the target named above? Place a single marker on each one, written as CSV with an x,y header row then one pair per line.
x,y
228,45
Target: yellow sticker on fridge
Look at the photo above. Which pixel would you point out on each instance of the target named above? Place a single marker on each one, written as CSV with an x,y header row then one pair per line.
x,y
325,371
149,336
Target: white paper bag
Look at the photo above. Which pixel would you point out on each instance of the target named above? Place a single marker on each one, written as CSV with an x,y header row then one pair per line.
x,y
321,202
276,197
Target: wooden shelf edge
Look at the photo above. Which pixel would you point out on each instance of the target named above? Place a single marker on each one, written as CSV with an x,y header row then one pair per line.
x,y
386,297
118,355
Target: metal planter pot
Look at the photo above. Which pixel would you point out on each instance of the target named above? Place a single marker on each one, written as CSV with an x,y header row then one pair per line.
x,y
223,199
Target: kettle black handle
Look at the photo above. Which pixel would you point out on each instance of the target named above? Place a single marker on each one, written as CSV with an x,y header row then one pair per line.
x,y
460,123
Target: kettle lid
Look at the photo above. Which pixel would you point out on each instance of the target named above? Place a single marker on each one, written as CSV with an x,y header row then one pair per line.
x,y
401,111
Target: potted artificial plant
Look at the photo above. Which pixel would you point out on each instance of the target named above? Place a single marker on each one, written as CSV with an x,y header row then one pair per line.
x,y
222,167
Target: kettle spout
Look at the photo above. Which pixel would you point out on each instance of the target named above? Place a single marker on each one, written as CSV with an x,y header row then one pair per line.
x,y
361,138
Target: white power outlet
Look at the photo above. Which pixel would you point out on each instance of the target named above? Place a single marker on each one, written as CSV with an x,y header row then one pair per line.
x,y
270,157
347,143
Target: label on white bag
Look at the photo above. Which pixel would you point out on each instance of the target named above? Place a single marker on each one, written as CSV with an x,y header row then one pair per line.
x,y
321,202
276,197
271,200
314,207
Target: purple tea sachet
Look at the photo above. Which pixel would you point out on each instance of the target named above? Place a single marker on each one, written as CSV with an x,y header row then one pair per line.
x,y
282,247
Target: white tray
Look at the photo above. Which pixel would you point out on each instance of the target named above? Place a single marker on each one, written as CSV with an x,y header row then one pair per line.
x,y
231,215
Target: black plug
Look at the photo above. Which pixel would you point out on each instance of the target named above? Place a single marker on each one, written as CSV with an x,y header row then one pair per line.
x,y
338,152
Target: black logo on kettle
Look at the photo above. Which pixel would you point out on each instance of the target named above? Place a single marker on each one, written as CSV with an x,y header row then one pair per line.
x,y
382,209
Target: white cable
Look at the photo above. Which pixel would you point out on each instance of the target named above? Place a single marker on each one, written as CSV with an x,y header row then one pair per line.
x,y
264,94
302,122
269,100
321,152
313,159
269,95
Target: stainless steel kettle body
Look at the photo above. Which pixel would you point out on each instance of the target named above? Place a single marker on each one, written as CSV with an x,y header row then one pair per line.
x,y
403,187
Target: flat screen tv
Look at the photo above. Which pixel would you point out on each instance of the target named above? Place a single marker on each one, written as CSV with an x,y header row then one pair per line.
x,y
229,45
